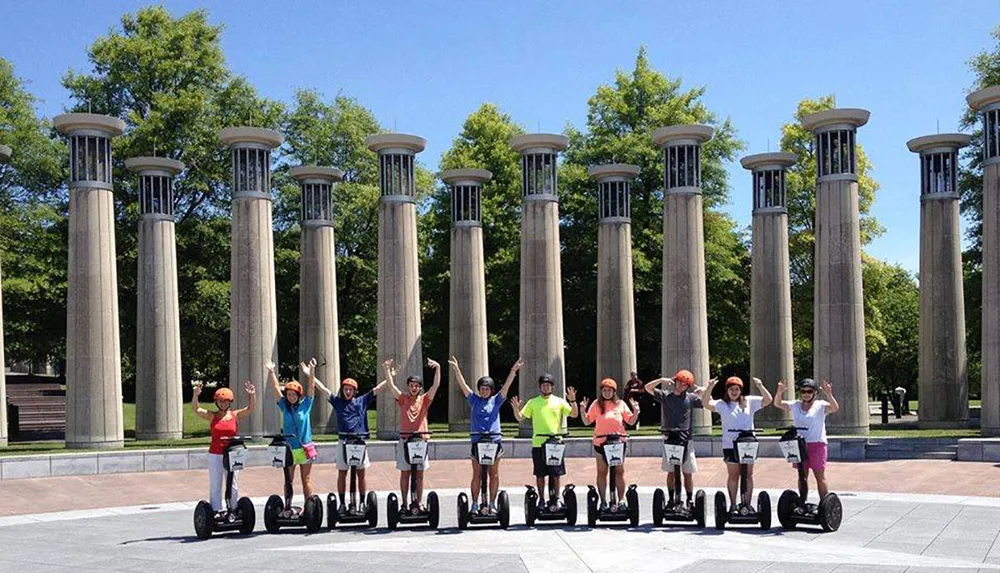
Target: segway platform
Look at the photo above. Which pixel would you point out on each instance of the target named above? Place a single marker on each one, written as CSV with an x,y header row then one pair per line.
x,y
241,518
554,450
486,455
792,507
279,512
746,446
675,445
614,456
354,450
415,453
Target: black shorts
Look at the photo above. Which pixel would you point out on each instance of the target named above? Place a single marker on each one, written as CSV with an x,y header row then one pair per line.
x,y
540,468
475,455
729,456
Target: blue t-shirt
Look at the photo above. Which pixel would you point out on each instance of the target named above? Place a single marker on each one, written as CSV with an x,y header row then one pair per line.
x,y
484,415
296,421
352,415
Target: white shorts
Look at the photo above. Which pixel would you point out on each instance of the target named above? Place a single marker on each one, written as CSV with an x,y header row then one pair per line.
x,y
342,464
401,463
689,466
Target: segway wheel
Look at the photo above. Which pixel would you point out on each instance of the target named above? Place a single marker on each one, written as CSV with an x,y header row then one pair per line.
x,y
764,510
313,511
786,505
463,511
272,509
720,510
658,498
371,501
503,510
632,499
248,515
392,511
831,512
530,507
434,509
569,500
592,508
204,520
699,507
331,511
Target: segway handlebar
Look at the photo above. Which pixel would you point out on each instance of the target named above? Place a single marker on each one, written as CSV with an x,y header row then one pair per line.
x,y
751,430
612,436
241,438
362,435
276,436
487,434
553,435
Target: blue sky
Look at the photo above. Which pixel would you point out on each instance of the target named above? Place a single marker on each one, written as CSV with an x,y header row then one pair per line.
x,y
422,67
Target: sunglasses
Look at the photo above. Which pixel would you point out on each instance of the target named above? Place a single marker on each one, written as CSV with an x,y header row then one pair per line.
x,y
808,391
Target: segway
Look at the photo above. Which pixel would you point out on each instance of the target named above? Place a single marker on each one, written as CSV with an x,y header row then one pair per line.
x,y
243,517
746,452
614,456
486,455
675,449
554,450
792,507
414,452
279,512
354,450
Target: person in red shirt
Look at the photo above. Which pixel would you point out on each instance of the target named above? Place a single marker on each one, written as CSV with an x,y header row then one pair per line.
x,y
223,424
413,407
635,390
609,414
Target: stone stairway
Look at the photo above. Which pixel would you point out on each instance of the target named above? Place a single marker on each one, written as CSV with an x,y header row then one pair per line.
x,y
912,448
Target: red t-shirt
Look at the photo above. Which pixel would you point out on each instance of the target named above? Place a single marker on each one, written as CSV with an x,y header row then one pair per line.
x,y
413,413
222,427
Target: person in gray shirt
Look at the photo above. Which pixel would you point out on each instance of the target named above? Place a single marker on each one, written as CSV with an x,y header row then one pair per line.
x,y
676,402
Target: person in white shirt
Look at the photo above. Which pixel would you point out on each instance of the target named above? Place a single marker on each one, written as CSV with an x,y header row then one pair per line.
x,y
810,413
736,411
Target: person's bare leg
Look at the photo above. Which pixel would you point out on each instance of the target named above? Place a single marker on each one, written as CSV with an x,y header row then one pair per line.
x,y
307,484
602,478
732,482
404,488
554,481
418,496
620,479
494,476
689,484
342,485
749,493
474,485
362,487
821,486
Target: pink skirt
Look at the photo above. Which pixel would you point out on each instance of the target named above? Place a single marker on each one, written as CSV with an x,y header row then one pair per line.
x,y
817,456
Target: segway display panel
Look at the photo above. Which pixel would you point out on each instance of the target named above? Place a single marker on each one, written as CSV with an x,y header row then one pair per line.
x,y
234,457
674,454
281,454
486,452
614,453
554,452
416,451
355,454
792,450
746,451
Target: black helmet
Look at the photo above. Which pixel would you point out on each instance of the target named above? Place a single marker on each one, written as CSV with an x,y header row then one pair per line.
x,y
808,383
546,378
486,381
414,380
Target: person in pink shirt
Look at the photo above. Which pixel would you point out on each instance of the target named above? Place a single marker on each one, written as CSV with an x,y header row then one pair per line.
x,y
609,414
413,407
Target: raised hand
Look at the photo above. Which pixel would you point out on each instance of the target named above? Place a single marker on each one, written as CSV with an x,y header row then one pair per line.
x,y
306,370
515,403
635,405
433,364
249,388
269,366
517,365
827,388
584,402
570,394
389,368
780,390
757,382
453,362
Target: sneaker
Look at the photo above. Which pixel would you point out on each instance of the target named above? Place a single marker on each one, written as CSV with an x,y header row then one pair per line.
x,y
475,508
604,507
622,506
491,509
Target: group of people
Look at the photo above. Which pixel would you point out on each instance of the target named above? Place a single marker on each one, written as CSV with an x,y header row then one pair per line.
x,y
677,396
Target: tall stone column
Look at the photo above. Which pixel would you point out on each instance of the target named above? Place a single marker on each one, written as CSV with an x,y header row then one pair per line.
x,y
986,102
685,308
398,275
771,353
93,348
541,331
253,315
943,381
467,303
159,404
318,330
615,300
839,317
4,158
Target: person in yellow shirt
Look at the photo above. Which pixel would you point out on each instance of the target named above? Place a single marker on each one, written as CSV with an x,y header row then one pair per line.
x,y
547,414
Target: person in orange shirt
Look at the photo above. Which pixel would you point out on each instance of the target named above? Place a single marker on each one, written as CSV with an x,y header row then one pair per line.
x,y
609,414
413,407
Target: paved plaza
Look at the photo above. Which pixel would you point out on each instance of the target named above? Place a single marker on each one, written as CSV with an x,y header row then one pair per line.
x,y
882,531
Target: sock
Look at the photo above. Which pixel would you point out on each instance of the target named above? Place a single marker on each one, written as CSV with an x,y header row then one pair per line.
x,y
689,497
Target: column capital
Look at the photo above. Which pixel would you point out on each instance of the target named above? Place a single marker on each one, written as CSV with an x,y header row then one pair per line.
x,y
466,176
769,161
687,134
938,143
611,171
154,166
256,136
307,173
395,143
550,142
822,120
73,123
984,98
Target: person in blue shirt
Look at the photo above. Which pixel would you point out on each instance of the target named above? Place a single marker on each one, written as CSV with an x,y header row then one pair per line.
x,y
484,417
295,403
352,418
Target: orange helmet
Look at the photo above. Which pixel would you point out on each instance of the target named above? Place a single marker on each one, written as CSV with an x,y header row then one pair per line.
x,y
295,387
223,394
609,383
684,377
734,381
350,382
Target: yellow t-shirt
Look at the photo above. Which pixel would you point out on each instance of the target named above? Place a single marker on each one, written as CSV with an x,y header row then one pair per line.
x,y
546,415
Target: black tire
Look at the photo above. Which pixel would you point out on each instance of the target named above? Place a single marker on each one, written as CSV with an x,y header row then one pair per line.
x,y
699,507
248,515
392,511
632,499
434,508
371,501
831,512
204,520
569,500
503,509
313,511
530,507
658,501
331,511
463,511
592,508
764,510
721,510
274,506
786,505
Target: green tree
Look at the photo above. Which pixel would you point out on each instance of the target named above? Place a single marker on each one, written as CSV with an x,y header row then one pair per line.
x,y
895,299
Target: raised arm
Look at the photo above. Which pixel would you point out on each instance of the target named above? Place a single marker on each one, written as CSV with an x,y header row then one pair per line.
x,y
459,379
322,387
583,414
251,402
511,376
390,378
651,386
766,397
828,390
779,393
202,413
633,416
516,405
574,411
273,379
309,370
706,395
433,390
381,386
